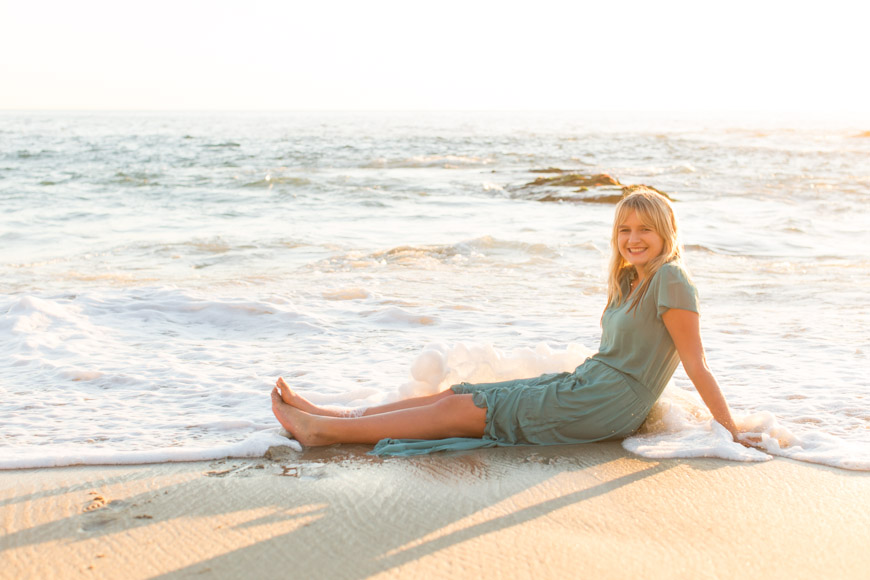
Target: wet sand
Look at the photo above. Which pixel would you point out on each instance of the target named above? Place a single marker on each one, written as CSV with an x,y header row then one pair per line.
x,y
547,512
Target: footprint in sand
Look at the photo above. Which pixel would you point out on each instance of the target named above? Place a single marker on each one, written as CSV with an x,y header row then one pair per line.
x,y
97,502
98,518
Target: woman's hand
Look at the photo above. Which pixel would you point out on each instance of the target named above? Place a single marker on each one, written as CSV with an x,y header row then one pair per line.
x,y
751,441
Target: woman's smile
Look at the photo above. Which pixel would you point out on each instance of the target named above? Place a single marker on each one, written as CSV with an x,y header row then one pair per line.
x,y
638,242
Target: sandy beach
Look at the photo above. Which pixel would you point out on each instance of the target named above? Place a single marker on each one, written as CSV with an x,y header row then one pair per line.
x,y
546,512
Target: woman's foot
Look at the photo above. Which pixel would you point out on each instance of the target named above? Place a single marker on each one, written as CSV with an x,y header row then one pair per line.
x,y
302,425
293,399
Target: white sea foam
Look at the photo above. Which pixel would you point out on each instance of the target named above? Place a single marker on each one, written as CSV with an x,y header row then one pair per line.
x,y
680,426
91,379
63,455
440,366
489,186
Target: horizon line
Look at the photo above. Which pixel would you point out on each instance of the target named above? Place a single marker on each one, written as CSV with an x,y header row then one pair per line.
x,y
470,110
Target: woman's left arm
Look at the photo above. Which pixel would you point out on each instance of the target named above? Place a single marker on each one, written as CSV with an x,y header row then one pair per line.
x,y
685,330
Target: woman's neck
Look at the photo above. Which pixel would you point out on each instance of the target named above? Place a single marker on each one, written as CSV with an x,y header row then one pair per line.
x,y
640,274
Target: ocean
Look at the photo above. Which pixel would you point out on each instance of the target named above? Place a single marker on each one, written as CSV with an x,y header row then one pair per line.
x,y
161,270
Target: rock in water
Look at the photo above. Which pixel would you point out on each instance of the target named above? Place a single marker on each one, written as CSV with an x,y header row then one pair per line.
x,y
574,180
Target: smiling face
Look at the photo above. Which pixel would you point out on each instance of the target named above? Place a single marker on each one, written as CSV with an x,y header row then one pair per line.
x,y
638,243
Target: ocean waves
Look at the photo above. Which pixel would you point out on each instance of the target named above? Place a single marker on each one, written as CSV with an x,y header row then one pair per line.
x,y
92,373
432,161
483,252
160,271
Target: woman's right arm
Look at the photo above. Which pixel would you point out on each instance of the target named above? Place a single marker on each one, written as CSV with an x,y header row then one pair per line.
x,y
685,331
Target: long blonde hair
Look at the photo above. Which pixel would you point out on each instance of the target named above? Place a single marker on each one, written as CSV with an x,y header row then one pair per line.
x,y
653,210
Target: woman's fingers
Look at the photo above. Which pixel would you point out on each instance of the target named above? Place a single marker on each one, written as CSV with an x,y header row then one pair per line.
x,y
748,440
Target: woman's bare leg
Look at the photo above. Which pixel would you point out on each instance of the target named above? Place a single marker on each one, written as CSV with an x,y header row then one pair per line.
x,y
452,416
408,403
294,399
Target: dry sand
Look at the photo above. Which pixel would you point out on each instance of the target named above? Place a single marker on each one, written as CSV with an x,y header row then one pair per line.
x,y
546,512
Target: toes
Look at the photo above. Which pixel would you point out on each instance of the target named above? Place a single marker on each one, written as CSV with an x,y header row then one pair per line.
x,y
283,388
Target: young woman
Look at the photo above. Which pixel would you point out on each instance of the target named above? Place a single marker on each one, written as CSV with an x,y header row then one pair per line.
x,y
651,323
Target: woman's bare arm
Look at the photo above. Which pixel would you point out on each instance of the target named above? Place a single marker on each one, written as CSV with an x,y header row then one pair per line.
x,y
684,328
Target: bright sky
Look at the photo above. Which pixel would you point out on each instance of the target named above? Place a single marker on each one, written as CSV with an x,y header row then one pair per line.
x,y
444,55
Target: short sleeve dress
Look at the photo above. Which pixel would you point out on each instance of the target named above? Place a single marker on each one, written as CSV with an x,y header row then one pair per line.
x,y
606,397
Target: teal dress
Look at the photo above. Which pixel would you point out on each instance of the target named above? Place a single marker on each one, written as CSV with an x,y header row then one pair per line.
x,y
606,397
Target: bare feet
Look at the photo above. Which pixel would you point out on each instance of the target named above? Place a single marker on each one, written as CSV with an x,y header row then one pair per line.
x,y
293,399
300,424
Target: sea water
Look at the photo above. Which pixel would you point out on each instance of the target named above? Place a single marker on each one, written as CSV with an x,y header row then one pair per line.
x,y
160,271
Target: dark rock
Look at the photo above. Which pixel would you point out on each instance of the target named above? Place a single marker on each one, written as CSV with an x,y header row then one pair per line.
x,y
630,188
575,180
612,198
280,452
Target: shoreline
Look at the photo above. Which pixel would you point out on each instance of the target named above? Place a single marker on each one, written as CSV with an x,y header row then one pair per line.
x,y
518,512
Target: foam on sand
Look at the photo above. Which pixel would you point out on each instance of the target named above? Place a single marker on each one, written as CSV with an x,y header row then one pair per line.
x,y
680,426
255,445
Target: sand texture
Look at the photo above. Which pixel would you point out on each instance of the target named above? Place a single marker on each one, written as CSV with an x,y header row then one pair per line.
x,y
547,512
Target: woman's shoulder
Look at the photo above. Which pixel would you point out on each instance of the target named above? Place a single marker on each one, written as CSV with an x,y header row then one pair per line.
x,y
674,277
674,270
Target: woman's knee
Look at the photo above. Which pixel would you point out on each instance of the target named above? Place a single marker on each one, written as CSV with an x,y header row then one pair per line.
x,y
460,411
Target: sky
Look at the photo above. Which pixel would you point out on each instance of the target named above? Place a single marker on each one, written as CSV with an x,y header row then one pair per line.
x,y
764,55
